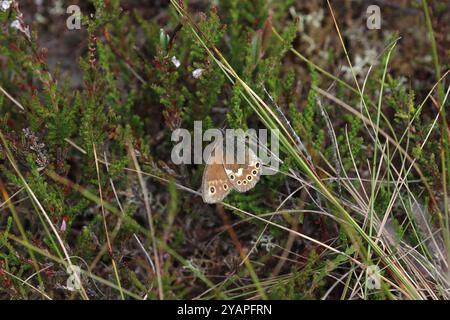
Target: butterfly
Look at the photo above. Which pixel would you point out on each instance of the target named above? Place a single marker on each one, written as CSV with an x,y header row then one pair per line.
x,y
220,177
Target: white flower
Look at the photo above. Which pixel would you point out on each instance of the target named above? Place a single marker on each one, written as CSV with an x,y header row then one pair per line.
x,y
197,73
63,226
5,5
176,62
16,24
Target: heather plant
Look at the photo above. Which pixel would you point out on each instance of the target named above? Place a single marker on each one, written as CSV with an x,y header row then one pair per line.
x,y
93,206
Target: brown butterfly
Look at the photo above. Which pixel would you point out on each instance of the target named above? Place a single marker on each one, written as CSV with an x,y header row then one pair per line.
x,y
219,177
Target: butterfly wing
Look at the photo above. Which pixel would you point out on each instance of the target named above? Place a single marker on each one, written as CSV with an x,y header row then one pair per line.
x,y
244,177
215,183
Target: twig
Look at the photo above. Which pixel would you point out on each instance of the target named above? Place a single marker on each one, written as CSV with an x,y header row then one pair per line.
x,y
150,219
